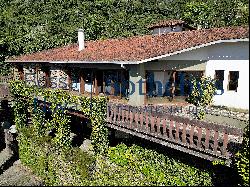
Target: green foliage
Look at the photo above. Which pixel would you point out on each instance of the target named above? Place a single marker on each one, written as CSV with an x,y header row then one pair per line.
x,y
58,163
139,166
203,90
24,105
30,26
56,166
213,13
51,156
242,159
218,162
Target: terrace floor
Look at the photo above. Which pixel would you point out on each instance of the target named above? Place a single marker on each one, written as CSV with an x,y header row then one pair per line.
x,y
179,101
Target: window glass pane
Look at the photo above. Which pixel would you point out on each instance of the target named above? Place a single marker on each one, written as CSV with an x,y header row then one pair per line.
x,y
233,80
219,77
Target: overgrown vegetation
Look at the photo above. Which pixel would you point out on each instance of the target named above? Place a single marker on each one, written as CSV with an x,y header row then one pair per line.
x,y
242,159
56,166
203,90
25,104
139,166
45,147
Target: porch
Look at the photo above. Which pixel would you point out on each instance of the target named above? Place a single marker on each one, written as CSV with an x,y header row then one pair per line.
x,y
134,84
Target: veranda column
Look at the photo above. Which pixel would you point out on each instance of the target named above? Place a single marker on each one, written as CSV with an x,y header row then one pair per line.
x,y
69,79
96,83
47,77
137,86
21,72
103,83
82,82
120,83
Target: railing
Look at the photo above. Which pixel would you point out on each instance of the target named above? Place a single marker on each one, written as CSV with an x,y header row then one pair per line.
x,y
6,79
4,91
200,138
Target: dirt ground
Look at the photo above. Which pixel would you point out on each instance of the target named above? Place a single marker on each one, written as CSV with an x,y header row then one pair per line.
x,y
18,175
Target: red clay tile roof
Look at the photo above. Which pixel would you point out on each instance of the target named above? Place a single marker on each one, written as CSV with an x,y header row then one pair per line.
x,y
165,23
137,48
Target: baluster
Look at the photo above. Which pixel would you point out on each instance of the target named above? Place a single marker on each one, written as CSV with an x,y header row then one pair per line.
x,y
199,137
164,126
207,139
131,120
152,130
123,115
108,113
183,137
146,122
136,121
119,115
158,125
141,122
177,126
192,136
115,113
216,135
127,115
225,142
111,115
170,130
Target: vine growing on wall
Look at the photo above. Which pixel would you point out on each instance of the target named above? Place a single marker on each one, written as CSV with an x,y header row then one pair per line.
x,y
25,104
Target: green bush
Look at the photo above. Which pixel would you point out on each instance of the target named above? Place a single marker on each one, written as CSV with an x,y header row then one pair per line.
x,y
139,166
242,159
203,90
54,165
54,159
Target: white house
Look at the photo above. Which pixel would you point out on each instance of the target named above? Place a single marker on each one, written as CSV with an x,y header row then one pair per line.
x,y
122,66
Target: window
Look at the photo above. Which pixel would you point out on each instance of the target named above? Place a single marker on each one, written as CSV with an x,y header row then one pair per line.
x,y
233,80
219,78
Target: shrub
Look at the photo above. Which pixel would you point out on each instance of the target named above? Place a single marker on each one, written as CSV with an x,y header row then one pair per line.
x,y
139,166
202,93
242,159
56,166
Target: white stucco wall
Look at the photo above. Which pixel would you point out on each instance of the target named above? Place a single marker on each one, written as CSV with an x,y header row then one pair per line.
x,y
163,30
220,51
239,99
137,73
228,56
180,65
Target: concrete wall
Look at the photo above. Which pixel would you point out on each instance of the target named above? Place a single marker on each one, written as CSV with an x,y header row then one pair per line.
x,y
239,99
180,65
221,51
163,30
233,56
137,73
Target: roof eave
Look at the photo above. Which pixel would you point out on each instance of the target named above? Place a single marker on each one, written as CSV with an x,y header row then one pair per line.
x,y
192,48
72,61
